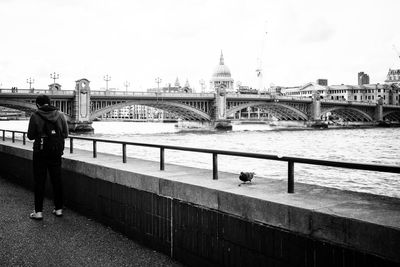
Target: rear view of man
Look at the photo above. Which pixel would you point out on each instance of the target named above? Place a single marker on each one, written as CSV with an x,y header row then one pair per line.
x,y
48,127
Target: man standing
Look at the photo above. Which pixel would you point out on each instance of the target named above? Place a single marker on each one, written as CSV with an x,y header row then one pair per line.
x,y
48,127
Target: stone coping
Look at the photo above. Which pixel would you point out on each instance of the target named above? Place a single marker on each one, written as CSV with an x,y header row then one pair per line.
x,y
363,221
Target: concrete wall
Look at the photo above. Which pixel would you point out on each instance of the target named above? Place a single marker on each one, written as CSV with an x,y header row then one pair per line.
x,y
201,222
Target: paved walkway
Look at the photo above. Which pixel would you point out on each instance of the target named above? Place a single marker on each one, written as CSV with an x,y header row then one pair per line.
x,y
72,240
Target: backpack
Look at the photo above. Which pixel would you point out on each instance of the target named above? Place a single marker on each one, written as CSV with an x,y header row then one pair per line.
x,y
52,141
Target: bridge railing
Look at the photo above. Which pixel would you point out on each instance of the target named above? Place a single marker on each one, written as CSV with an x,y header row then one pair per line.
x,y
392,106
215,152
150,94
275,98
37,91
351,102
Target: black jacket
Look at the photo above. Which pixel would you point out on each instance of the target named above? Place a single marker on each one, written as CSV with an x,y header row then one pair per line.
x,y
36,124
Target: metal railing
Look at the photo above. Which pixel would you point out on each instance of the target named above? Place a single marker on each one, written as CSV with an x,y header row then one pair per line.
x,y
13,135
151,94
215,153
36,91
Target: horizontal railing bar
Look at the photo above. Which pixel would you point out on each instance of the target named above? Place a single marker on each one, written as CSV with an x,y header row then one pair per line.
x,y
10,131
348,165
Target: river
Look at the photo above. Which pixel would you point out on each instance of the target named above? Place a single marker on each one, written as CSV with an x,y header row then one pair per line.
x,y
362,145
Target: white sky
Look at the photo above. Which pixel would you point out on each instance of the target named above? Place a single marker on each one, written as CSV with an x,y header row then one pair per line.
x,y
138,41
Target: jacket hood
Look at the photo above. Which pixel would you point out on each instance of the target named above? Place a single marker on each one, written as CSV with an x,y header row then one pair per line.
x,y
49,112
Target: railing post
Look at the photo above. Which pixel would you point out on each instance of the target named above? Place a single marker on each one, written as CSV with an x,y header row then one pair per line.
x,y
23,139
71,145
94,149
215,166
4,135
290,176
162,165
13,137
124,153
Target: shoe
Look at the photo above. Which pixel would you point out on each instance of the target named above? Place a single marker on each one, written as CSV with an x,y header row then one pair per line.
x,y
36,215
57,213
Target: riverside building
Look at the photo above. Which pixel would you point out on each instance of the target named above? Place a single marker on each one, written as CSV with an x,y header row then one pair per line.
x,y
363,78
393,77
389,92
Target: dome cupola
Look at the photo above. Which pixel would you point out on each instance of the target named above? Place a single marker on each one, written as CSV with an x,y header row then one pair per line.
x,y
221,75
221,70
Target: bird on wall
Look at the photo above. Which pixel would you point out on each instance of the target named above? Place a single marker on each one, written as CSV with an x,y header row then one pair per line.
x,y
246,177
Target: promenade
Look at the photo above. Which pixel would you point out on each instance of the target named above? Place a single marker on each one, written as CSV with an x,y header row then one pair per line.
x,y
73,240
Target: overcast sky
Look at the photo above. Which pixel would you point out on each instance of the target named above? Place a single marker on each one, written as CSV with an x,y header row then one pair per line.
x,y
137,41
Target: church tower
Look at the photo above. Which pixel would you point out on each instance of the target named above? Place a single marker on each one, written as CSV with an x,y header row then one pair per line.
x,y
177,83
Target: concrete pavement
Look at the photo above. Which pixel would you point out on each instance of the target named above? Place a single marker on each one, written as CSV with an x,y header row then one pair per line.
x,y
72,240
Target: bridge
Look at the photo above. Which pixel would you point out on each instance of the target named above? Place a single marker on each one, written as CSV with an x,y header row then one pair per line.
x,y
82,105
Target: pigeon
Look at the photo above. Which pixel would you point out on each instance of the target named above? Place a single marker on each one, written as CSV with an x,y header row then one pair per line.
x,y
246,177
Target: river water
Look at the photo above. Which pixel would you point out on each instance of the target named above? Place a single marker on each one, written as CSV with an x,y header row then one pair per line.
x,y
362,145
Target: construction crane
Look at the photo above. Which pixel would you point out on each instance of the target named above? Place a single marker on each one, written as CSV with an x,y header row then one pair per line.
x,y
397,51
259,70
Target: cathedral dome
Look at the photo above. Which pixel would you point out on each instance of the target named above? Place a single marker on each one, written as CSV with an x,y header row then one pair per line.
x,y
221,76
221,70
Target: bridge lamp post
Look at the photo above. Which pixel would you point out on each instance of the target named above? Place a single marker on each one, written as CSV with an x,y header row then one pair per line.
x,y
107,79
54,76
202,85
126,84
30,81
158,80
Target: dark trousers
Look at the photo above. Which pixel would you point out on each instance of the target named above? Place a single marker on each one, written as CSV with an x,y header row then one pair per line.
x,y
42,164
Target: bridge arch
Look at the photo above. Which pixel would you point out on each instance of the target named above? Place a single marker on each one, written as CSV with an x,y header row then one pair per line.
x,y
349,113
393,115
24,106
279,110
179,109
18,105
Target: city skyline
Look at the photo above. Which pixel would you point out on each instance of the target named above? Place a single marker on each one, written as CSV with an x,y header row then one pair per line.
x,y
138,42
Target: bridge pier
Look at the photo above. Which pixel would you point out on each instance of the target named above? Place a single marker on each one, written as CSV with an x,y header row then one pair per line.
x,y
80,127
378,117
316,121
220,121
81,121
224,125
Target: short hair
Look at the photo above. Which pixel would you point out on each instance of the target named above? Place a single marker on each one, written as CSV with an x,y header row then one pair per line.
x,y
42,100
